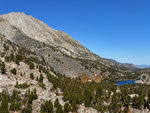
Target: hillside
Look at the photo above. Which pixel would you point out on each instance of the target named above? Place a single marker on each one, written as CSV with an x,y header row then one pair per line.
x,y
20,71
58,49
27,84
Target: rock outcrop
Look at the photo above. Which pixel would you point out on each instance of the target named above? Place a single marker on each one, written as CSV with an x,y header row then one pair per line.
x,y
144,78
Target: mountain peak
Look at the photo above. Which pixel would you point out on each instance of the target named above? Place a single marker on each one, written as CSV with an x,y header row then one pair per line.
x,y
38,30
15,13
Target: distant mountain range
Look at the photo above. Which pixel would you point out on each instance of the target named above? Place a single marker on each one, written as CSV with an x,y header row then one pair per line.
x,y
143,66
129,65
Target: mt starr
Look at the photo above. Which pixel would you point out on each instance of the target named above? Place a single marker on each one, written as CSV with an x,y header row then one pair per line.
x,y
57,48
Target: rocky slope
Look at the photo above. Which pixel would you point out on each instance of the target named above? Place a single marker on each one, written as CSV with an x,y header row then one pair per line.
x,y
58,49
25,63
9,80
143,76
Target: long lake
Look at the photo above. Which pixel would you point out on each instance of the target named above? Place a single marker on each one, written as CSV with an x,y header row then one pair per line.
x,y
125,82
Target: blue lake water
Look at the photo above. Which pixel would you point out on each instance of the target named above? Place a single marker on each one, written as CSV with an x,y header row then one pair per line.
x,y
125,82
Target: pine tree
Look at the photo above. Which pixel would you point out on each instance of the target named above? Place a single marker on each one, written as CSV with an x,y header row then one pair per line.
x,y
67,108
74,106
3,69
18,58
41,78
4,106
35,95
47,107
58,106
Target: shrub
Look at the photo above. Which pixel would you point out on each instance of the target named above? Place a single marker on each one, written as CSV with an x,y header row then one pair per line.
x,y
18,58
22,86
31,65
32,76
13,71
42,85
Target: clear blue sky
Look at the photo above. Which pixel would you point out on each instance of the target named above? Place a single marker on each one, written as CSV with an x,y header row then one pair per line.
x,y
117,29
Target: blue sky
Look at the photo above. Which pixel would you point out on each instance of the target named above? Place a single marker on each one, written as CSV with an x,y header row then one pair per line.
x,y
116,29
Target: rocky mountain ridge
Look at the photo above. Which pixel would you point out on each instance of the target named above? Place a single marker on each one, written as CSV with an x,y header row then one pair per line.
x,y
39,31
127,65
58,49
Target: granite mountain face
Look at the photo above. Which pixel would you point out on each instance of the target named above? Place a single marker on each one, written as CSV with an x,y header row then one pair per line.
x,y
57,48
37,30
